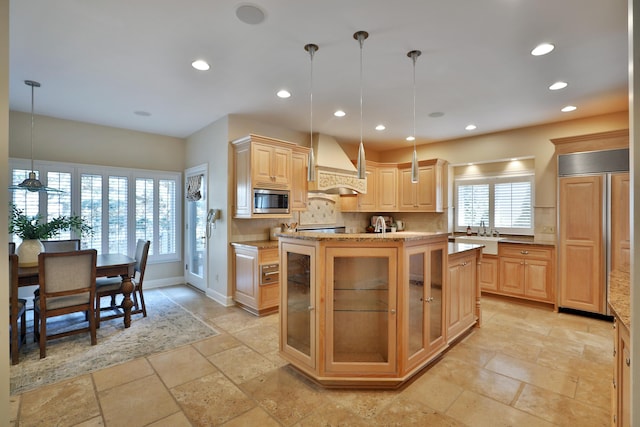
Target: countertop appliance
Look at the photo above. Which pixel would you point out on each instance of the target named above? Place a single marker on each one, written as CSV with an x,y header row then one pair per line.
x,y
587,180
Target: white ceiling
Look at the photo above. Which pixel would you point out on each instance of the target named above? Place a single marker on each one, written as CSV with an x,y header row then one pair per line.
x,y
100,61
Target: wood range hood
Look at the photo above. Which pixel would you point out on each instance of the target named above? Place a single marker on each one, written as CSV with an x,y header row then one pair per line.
x,y
334,171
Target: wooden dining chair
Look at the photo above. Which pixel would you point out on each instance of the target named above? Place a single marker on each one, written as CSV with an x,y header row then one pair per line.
x,y
112,286
12,248
17,309
61,245
67,285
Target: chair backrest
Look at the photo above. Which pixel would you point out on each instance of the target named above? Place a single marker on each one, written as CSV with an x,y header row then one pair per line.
x,y
61,245
12,248
13,280
142,252
67,273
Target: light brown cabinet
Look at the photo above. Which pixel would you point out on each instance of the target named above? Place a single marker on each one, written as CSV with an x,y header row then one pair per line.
x,y
429,193
424,309
582,270
461,293
620,225
270,166
389,188
621,385
256,278
299,160
526,271
488,273
268,163
362,310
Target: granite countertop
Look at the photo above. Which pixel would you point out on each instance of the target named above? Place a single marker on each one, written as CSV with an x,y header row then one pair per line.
x,y
455,248
260,244
619,295
399,236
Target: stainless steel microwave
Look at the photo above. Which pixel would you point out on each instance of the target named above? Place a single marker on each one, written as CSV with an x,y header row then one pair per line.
x,y
270,201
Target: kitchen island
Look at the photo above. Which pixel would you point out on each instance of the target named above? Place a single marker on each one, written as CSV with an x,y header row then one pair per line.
x,y
365,310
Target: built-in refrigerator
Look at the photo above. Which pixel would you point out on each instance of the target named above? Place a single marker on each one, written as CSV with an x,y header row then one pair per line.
x,y
593,226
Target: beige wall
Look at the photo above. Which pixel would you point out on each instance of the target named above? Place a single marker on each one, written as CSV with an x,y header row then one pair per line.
x,y
210,146
77,142
4,182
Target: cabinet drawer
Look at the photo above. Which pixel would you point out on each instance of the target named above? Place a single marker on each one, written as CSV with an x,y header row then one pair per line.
x,y
529,251
268,255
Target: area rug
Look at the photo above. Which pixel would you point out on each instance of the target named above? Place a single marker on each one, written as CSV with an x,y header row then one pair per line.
x,y
166,326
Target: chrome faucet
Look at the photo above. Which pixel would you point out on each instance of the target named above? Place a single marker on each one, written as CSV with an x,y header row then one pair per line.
x,y
380,225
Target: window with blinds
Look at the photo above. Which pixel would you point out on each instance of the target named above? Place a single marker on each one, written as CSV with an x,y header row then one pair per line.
x,y
122,205
502,203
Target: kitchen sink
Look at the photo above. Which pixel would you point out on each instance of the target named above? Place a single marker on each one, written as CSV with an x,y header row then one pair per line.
x,y
490,243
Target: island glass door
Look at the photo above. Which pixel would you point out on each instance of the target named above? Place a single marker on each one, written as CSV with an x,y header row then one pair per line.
x,y
297,320
361,310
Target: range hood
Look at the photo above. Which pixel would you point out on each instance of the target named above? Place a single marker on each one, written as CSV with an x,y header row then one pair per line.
x,y
335,173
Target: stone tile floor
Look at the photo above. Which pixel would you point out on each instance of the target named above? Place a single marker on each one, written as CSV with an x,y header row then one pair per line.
x,y
526,366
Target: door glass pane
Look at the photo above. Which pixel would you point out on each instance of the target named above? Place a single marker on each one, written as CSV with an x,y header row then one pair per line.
x,y
416,303
360,309
435,306
298,302
197,236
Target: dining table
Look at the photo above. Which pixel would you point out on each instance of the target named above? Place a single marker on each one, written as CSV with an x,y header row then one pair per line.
x,y
107,265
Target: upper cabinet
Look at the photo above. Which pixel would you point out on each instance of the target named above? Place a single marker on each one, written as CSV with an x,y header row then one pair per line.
x,y
268,163
429,193
389,188
270,166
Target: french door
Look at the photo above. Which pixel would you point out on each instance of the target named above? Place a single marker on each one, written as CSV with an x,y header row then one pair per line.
x,y
196,227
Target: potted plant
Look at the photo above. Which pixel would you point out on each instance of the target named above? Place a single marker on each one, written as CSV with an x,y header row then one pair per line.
x,y
31,229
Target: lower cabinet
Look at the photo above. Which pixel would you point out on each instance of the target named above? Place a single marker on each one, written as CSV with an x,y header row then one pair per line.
x,y
527,271
488,273
461,293
256,278
621,385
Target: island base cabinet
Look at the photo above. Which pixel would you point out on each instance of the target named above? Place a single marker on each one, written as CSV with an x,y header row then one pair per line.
x,y
461,294
362,311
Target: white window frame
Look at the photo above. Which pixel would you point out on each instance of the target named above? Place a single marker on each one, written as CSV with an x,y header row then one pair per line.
x,y
76,170
527,176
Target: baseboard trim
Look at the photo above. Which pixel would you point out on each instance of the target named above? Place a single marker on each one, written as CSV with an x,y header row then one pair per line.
x,y
161,283
225,300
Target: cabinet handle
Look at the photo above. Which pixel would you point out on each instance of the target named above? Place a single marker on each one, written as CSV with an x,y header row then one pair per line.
x,y
393,311
627,361
310,308
429,299
614,352
524,252
614,383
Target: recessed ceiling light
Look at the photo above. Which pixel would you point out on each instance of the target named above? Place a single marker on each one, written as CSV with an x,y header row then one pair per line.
x,y
250,14
542,49
200,65
470,127
436,114
411,138
339,113
283,93
558,85
569,108
142,113
381,127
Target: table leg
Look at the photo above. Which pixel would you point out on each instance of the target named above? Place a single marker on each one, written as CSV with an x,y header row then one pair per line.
x,y
127,288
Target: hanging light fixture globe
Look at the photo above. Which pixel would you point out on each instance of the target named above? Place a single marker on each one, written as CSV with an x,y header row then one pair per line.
x,y
32,183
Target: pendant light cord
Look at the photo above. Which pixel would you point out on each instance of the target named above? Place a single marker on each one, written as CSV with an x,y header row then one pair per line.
x,y
414,57
361,40
32,126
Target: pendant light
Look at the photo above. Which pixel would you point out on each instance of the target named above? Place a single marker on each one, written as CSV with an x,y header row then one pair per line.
x,y
414,161
31,183
311,176
361,36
